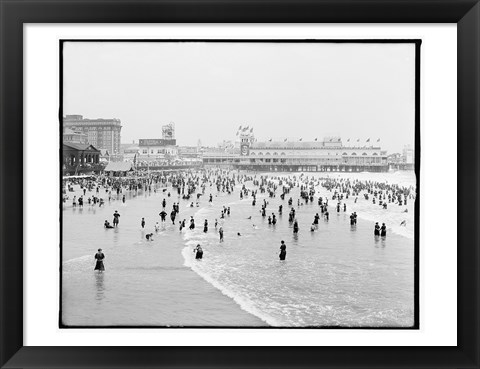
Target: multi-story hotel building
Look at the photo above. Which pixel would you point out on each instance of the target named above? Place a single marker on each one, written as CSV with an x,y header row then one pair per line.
x,y
70,136
101,133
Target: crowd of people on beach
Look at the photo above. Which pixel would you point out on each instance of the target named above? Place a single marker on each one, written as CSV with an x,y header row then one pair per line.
x,y
189,185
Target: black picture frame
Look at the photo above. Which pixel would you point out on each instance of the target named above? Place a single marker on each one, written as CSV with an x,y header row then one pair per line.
x,y
416,43
14,14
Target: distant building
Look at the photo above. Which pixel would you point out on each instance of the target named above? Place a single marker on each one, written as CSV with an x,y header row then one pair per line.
x,y
408,155
188,152
297,155
395,158
101,133
131,152
77,155
157,150
71,136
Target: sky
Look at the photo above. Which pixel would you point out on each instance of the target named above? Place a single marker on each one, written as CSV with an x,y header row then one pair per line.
x,y
282,90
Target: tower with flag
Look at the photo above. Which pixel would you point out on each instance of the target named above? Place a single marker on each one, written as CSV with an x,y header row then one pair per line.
x,y
244,137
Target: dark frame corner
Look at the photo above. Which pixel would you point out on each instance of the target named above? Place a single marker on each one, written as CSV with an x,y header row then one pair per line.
x,y
14,13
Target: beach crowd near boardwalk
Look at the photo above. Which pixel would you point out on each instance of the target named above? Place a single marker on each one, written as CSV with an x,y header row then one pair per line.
x,y
192,186
235,204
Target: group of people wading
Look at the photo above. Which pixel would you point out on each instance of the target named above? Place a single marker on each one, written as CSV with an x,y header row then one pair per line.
x,y
194,184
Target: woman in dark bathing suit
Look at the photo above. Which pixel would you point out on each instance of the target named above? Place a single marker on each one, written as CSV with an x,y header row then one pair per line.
x,y
199,252
376,232
99,256
383,230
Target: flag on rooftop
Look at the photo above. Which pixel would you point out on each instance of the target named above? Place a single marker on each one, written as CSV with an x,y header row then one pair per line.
x,y
300,139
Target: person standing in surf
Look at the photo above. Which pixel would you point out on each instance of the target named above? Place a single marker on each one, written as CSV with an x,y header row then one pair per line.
x,y
116,217
295,227
376,231
205,226
198,252
192,223
283,251
99,256
383,230
220,232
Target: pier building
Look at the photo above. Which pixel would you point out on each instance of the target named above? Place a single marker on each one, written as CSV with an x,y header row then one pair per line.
x,y
287,155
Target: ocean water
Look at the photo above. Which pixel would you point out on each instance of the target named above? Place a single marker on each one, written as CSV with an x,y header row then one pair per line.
x,y
335,276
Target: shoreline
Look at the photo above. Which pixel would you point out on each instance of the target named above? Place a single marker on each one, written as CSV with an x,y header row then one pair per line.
x,y
250,305
191,299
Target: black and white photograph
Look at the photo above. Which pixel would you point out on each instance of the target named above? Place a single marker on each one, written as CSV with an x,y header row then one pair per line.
x,y
239,183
